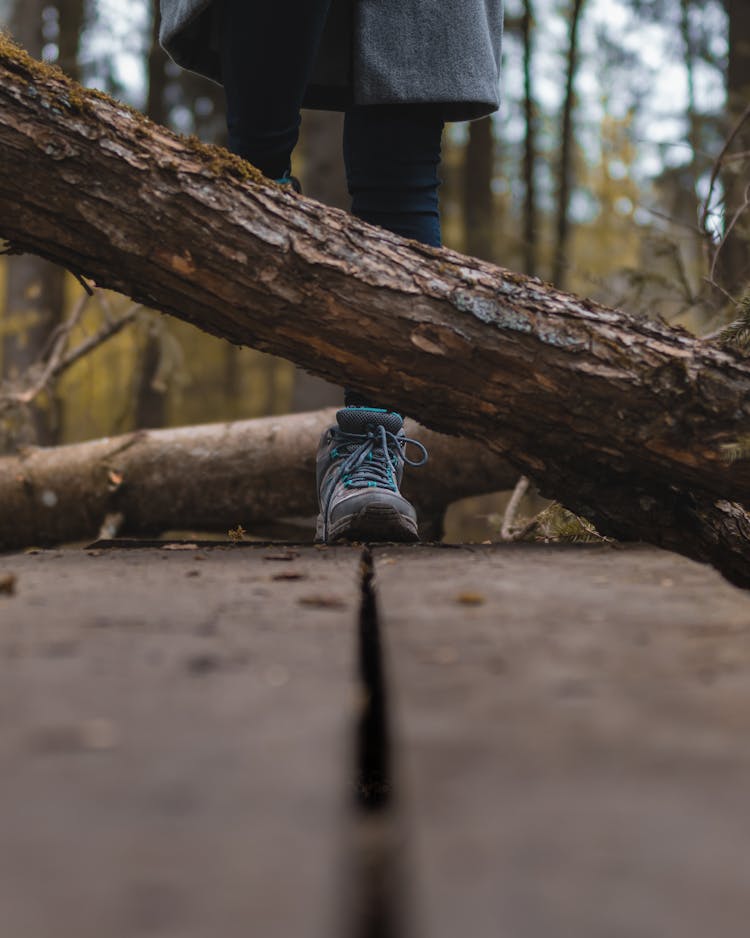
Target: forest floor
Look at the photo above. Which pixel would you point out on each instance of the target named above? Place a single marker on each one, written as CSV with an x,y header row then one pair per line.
x,y
275,740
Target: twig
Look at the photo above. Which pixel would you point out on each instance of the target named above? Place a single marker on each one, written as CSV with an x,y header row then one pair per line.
x,y
105,333
53,351
56,340
717,286
665,216
506,530
84,283
728,231
59,362
717,168
737,157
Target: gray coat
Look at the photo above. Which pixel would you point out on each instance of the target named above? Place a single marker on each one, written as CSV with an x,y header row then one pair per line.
x,y
374,52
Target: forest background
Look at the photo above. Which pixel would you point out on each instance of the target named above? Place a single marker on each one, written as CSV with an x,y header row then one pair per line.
x,y
607,172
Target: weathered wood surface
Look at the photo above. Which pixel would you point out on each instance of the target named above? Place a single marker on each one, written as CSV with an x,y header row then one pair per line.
x,y
570,744
625,421
175,734
256,473
574,752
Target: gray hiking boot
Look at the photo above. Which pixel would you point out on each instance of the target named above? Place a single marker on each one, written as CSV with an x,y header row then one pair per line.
x,y
359,469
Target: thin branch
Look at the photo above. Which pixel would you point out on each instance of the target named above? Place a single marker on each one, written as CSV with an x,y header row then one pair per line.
x,y
665,216
717,167
735,218
103,335
511,510
725,293
737,157
59,362
84,283
58,337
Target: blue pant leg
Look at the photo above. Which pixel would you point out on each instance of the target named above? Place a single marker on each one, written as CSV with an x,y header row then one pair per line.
x,y
392,155
268,51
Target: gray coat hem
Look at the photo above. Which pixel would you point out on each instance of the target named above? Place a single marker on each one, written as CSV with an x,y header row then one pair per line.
x,y
360,64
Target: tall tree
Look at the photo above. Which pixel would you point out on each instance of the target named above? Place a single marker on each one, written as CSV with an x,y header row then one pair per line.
x,y
150,394
478,204
735,268
565,171
324,179
156,99
71,18
690,202
34,293
172,92
530,145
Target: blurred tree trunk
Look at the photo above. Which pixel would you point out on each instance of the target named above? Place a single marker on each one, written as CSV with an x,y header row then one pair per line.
x,y
529,148
479,162
170,89
687,205
735,260
565,171
150,403
323,178
72,17
34,293
156,100
204,102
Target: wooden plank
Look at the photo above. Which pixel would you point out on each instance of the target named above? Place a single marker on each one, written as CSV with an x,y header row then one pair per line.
x,y
572,726
175,740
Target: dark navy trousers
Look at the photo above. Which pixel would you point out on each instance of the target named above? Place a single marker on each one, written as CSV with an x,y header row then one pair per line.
x,y
391,152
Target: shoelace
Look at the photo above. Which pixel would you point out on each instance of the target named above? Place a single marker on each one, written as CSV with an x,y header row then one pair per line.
x,y
369,463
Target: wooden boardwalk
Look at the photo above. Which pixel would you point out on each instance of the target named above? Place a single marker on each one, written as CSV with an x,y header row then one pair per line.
x,y
414,742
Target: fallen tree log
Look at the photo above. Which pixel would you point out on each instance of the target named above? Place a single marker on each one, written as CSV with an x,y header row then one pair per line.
x,y
254,473
624,421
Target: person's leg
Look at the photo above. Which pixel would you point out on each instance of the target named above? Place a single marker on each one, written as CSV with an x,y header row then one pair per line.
x,y
392,155
267,54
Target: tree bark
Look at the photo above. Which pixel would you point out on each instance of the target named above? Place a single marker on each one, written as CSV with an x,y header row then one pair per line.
x,y
625,421
257,473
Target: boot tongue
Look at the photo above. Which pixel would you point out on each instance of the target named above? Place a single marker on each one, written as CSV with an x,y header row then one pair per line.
x,y
357,419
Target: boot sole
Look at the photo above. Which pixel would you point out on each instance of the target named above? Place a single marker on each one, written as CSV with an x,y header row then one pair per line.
x,y
372,523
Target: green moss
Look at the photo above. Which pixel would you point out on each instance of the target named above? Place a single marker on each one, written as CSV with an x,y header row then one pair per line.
x,y
69,95
559,525
19,59
222,162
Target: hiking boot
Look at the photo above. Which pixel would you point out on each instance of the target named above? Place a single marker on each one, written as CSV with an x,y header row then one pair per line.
x,y
359,468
